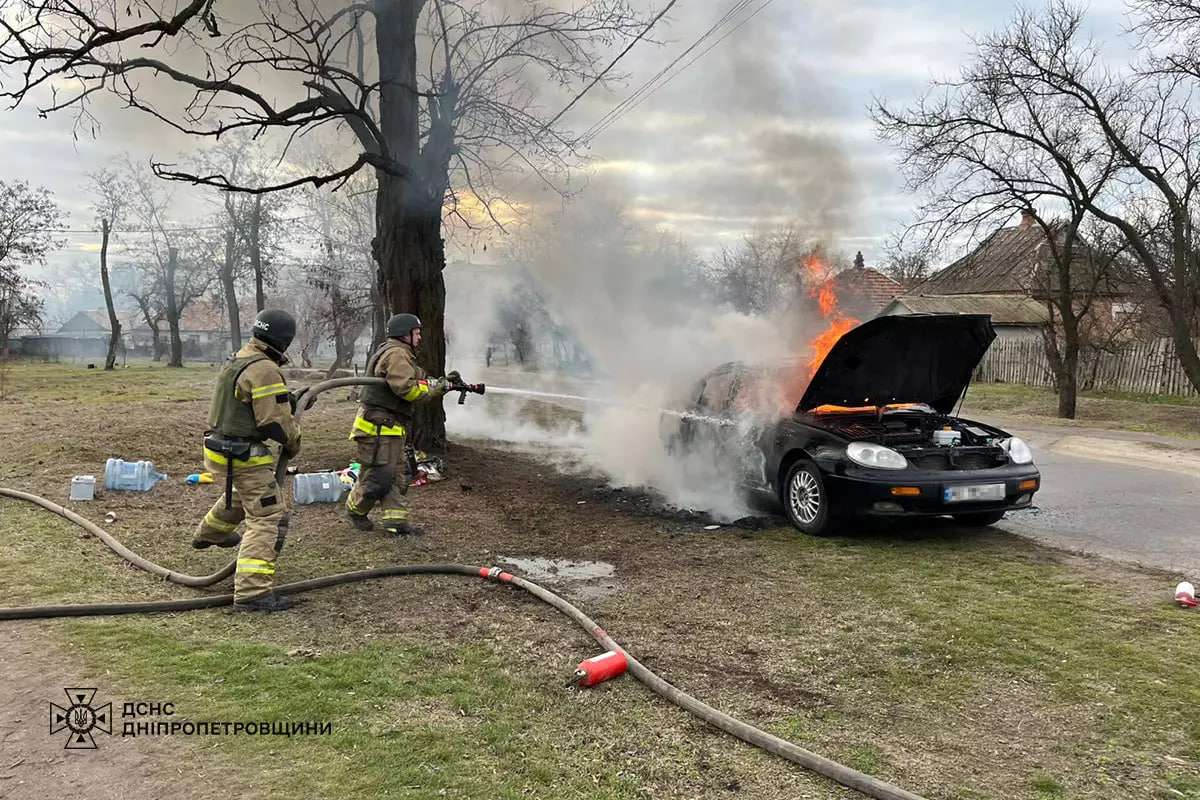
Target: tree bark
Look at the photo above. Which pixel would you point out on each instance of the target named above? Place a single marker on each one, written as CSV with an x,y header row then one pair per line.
x,y
256,252
114,324
230,291
408,246
173,310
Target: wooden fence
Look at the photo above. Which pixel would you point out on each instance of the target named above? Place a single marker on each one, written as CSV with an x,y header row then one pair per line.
x,y
1144,367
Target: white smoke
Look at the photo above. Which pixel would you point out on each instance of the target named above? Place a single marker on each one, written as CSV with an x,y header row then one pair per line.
x,y
629,299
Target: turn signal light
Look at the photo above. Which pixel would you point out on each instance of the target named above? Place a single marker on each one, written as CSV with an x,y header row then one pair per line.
x,y
1029,484
906,491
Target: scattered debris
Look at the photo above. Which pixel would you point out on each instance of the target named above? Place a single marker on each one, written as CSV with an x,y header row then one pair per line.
x,y
110,518
712,527
307,652
466,487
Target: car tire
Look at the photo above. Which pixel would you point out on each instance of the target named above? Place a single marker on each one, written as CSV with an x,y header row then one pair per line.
x,y
980,520
805,500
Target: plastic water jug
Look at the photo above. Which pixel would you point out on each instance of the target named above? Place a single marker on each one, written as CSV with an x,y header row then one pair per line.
x,y
318,487
131,476
83,487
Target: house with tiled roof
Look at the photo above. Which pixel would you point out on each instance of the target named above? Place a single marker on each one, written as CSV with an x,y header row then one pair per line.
x,y
863,291
1012,276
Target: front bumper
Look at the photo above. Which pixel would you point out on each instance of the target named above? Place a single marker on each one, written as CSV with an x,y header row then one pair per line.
x,y
859,491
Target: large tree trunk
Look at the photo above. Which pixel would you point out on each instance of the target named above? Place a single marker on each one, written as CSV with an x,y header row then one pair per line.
x,y
408,246
256,252
173,309
230,291
114,324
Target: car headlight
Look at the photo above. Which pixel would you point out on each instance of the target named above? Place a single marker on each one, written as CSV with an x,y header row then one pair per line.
x,y
874,455
1018,451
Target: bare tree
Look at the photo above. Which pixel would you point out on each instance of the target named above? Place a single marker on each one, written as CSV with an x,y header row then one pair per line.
x,y
110,190
452,128
149,303
177,281
1004,138
907,265
28,218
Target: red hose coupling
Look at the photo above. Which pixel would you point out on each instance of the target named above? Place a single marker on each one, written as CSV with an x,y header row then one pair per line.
x,y
494,574
598,669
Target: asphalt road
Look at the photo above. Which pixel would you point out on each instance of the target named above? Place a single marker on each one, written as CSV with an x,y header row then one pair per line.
x,y
1128,512
1138,501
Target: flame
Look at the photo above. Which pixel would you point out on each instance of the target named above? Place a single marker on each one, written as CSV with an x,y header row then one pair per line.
x,y
821,282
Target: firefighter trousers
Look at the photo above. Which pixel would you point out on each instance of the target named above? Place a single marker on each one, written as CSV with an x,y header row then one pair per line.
x,y
258,502
382,479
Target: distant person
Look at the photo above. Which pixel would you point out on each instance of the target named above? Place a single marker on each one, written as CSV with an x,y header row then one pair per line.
x,y
381,427
249,407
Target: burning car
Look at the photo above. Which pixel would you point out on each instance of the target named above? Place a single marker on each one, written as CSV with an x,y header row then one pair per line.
x,y
873,433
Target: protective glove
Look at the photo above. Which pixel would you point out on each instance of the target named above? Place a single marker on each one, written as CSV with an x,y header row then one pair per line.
x,y
292,448
454,377
294,397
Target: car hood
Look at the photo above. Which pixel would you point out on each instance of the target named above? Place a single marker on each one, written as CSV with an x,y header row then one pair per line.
x,y
912,358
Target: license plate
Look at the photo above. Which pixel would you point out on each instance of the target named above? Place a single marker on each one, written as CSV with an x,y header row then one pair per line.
x,y
973,493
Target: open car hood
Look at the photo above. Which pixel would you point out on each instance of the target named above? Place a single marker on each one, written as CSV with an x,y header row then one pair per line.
x,y
912,358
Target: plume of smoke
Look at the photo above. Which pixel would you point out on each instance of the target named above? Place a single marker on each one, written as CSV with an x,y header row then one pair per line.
x,y
633,302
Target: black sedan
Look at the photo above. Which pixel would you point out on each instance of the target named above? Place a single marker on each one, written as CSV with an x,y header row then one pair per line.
x,y
872,434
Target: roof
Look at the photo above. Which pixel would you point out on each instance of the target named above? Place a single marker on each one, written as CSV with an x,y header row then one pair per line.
x,y
203,316
1014,260
869,284
96,322
1003,309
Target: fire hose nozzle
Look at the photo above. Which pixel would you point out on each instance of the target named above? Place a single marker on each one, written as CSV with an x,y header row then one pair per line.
x,y
464,388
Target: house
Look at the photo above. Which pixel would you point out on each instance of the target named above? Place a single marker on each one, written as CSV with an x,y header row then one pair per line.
x,y
1013,317
84,335
1013,270
203,331
862,291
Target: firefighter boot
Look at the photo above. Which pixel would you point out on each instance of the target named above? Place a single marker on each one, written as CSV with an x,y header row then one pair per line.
x,y
265,602
397,529
360,521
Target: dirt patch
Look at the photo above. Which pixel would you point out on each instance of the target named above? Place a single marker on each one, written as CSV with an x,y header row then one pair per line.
x,y
34,764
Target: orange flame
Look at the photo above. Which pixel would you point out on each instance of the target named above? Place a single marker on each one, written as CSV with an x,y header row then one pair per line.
x,y
821,283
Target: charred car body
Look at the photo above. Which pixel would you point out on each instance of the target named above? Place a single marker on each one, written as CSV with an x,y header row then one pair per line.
x,y
873,433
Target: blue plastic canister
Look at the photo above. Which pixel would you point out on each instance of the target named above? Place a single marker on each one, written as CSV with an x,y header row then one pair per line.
x,y
131,476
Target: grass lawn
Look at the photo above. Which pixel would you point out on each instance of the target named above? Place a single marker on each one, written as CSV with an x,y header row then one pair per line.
x,y
1159,414
955,663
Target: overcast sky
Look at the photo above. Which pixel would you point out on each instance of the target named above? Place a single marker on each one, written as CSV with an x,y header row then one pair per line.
x,y
769,126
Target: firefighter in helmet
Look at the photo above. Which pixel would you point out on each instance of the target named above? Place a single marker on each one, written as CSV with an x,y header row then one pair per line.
x,y
251,406
380,429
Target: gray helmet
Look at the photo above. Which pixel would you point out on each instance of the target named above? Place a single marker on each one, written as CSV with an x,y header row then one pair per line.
x,y
276,328
402,325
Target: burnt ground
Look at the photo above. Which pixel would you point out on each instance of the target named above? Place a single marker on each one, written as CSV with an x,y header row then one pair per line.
x,y
887,649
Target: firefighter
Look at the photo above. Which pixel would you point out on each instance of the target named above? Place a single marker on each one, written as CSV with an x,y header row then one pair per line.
x,y
251,405
380,429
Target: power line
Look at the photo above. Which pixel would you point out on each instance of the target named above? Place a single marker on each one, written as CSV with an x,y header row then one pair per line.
x,y
620,55
736,8
181,229
610,119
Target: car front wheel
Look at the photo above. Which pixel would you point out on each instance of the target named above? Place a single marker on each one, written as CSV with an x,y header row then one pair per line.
x,y
980,520
805,500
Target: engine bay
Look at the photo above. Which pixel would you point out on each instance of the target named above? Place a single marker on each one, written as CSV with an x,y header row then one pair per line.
x,y
904,430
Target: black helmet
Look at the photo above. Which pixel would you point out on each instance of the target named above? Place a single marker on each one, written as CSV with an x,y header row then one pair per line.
x,y
276,328
402,325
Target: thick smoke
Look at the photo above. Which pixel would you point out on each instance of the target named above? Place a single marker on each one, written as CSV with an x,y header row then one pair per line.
x,y
632,302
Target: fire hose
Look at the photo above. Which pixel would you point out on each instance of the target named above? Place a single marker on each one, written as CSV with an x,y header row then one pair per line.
x,y
846,776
